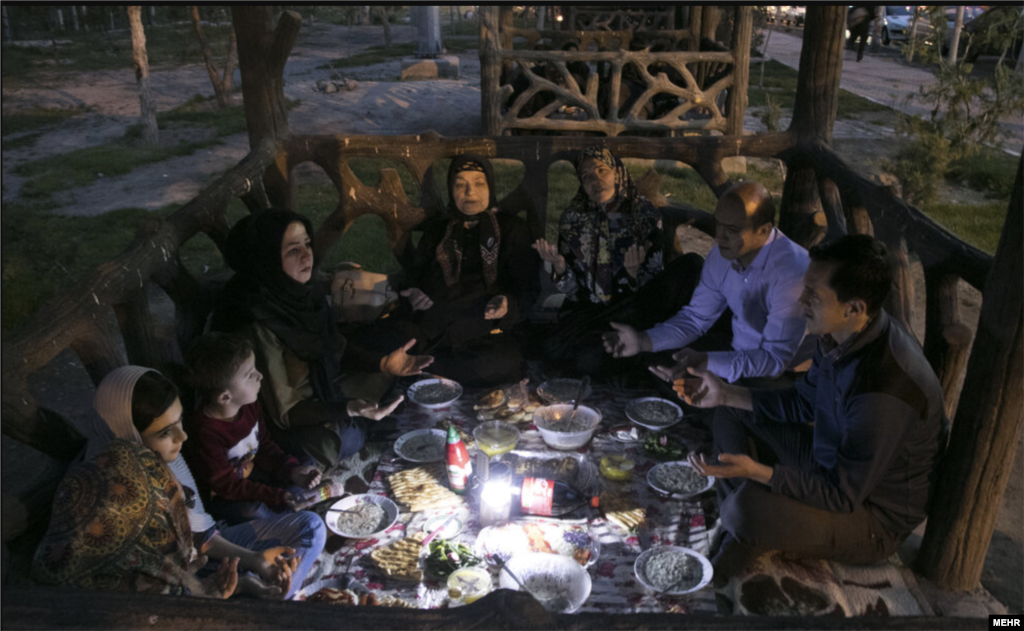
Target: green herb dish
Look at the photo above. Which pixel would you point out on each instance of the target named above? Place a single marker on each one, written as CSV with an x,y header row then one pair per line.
x,y
447,556
661,445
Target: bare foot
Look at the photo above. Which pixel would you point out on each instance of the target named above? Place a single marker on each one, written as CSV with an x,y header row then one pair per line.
x,y
253,586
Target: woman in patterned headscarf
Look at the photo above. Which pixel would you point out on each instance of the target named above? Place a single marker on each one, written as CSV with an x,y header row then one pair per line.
x,y
610,245
472,281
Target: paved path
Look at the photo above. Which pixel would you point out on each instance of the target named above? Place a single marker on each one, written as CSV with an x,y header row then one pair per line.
x,y
882,79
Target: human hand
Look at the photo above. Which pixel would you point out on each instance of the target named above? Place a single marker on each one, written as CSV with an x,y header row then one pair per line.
x,y
549,253
732,466
400,364
419,300
496,309
635,256
223,582
372,411
703,389
624,341
685,358
305,476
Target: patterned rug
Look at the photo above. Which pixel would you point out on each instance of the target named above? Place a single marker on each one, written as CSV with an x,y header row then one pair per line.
x,y
773,585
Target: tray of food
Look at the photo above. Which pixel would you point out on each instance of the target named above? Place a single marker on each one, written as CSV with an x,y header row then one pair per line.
x,y
678,479
434,394
421,445
498,544
673,570
653,412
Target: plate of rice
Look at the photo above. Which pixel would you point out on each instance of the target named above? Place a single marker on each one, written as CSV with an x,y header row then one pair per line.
x,y
678,479
364,516
434,394
422,445
673,570
653,412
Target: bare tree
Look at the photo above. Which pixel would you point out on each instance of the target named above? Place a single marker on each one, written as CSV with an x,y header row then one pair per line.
x,y
954,42
382,13
221,82
140,60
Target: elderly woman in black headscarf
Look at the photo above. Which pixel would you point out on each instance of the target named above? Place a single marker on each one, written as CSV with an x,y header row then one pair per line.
x,y
472,281
610,263
275,300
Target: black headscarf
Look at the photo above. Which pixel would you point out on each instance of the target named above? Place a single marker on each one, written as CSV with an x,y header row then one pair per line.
x,y
449,250
261,292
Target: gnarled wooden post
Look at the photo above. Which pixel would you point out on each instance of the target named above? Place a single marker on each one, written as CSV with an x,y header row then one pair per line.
x,y
490,71
946,337
988,422
814,114
741,34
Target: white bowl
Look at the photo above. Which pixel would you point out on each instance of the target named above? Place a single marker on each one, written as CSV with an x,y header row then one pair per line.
x,y
548,417
549,575
350,502
561,390
439,435
639,568
652,479
632,414
414,393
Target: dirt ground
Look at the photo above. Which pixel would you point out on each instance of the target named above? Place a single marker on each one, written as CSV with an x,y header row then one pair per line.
x,y
380,105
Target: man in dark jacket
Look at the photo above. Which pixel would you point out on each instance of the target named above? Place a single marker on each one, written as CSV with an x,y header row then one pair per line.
x,y
840,466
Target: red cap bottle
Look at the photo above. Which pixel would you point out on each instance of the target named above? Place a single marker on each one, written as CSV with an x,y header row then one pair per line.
x,y
459,465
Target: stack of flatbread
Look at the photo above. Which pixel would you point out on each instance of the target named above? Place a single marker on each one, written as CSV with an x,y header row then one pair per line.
x,y
401,559
622,509
512,404
422,488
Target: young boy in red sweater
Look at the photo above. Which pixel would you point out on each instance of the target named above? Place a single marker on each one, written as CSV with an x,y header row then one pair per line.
x,y
245,471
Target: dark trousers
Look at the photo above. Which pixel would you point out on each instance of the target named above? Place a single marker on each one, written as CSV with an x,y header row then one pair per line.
x,y
762,520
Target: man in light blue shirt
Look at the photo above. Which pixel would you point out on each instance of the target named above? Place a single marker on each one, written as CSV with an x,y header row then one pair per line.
x,y
753,269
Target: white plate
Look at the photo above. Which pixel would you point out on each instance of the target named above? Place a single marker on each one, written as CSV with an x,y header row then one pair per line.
x,y
439,435
652,480
641,562
451,529
341,582
348,503
632,415
415,388
496,544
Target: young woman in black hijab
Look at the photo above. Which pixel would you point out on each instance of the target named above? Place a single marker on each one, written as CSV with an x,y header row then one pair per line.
x,y
275,300
473,280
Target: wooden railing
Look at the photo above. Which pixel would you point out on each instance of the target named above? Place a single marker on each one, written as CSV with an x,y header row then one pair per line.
x,y
598,19
597,83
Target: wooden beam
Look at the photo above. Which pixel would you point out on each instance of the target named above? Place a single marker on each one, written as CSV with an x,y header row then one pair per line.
x,y
984,440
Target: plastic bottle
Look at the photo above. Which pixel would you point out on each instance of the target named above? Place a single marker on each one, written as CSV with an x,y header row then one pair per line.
x,y
322,493
549,498
459,465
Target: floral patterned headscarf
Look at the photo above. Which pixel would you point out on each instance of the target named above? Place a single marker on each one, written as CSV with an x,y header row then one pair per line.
x,y
584,230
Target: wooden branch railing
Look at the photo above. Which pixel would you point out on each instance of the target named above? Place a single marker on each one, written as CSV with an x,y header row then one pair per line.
x,y
580,90
597,19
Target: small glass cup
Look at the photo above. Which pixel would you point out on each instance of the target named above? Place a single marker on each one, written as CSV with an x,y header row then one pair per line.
x,y
495,438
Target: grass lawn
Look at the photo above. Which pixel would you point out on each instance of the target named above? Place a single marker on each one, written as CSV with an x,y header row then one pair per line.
x,y
780,82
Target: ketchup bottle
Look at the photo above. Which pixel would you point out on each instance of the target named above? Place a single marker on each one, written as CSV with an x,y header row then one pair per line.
x,y
459,465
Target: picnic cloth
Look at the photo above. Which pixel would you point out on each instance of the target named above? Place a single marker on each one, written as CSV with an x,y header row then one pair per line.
x,y
615,587
773,585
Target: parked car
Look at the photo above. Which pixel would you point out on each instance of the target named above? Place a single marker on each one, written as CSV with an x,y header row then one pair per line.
x,y
988,33
950,14
794,16
896,22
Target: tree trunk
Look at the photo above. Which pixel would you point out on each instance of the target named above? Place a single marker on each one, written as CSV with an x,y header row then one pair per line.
x,y
976,469
262,54
74,17
821,65
742,32
541,14
8,34
711,17
221,84
912,35
490,70
505,37
141,63
382,13
954,43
